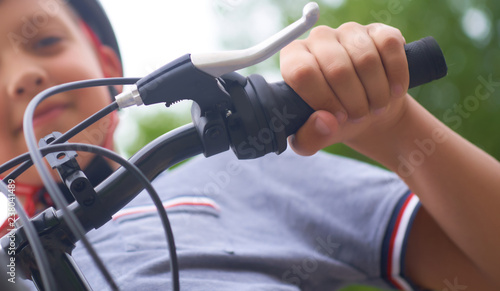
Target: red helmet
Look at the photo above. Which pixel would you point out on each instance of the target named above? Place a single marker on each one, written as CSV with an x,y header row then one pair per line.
x,y
93,14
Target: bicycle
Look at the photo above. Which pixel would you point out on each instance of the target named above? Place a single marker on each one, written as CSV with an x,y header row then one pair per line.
x,y
238,107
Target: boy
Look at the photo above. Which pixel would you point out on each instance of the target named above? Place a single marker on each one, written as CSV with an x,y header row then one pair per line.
x,y
332,222
39,37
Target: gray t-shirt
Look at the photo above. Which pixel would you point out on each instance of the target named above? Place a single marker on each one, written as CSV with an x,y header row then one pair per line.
x,y
276,223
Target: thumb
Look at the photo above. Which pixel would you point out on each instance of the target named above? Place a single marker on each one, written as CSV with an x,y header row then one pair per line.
x,y
318,132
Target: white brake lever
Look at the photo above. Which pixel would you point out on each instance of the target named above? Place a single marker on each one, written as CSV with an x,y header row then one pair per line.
x,y
217,64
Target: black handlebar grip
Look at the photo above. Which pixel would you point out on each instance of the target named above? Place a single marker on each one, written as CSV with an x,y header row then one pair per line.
x,y
426,62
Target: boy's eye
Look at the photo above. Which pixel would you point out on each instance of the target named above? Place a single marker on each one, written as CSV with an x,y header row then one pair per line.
x,y
48,41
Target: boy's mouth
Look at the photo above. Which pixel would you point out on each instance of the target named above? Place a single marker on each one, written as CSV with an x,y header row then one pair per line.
x,y
46,114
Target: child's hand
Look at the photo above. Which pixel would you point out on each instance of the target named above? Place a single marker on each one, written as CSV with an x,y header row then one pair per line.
x,y
356,77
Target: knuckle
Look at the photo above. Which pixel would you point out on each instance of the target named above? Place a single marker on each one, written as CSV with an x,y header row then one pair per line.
x,y
349,26
376,27
390,36
293,47
387,33
320,31
366,59
337,72
299,74
392,42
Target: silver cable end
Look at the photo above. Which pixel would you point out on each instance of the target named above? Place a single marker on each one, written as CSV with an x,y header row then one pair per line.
x,y
129,98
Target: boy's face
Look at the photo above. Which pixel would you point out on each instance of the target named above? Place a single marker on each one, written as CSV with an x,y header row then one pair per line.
x,y
42,45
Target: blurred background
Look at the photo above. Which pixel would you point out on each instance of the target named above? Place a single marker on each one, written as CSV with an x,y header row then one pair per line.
x,y
468,31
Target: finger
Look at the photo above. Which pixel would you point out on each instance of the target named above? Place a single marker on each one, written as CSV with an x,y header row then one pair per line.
x,y
337,67
301,71
317,133
368,64
390,45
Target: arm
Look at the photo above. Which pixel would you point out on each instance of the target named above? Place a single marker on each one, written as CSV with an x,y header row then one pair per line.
x,y
456,182
357,77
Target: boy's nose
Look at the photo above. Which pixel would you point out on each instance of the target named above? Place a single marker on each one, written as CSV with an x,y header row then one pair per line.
x,y
27,84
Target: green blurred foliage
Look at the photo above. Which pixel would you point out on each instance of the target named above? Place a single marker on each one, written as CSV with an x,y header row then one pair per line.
x,y
469,35
140,126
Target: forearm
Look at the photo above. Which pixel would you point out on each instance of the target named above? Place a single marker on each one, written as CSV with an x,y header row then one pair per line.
x,y
458,184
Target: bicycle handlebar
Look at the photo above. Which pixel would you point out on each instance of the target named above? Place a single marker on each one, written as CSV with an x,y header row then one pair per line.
x,y
248,107
285,112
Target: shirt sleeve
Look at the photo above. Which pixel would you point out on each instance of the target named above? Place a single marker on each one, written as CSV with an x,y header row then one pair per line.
x,y
395,242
